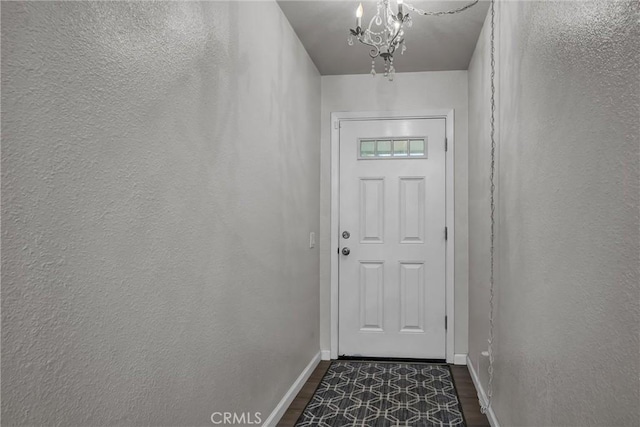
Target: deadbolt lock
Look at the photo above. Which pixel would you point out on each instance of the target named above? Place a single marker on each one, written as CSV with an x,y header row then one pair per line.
x,y
346,234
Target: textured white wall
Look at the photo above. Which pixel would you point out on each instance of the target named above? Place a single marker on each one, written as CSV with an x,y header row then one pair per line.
x,y
409,91
568,312
160,176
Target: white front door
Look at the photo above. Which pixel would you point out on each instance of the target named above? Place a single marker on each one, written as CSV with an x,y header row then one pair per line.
x,y
392,238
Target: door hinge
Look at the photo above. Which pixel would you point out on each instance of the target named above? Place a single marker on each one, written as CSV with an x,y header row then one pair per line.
x,y
446,233
446,144
337,124
446,322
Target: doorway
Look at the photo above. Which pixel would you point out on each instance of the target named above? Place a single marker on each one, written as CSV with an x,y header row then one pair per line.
x,y
392,230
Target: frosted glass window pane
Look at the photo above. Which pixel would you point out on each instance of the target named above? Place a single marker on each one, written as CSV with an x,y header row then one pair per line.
x,y
400,148
367,148
417,147
384,148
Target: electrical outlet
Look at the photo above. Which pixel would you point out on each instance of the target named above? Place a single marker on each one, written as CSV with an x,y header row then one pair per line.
x,y
312,240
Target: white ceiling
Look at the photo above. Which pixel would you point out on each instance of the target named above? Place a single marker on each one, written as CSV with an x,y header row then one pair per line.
x,y
434,43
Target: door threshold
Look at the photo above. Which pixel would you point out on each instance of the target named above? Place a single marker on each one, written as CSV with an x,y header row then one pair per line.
x,y
391,359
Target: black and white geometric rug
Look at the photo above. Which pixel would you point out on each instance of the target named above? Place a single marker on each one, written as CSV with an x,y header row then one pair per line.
x,y
372,393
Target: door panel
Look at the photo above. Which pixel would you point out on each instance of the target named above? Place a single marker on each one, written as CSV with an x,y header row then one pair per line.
x,y
392,203
412,210
371,295
372,210
412,297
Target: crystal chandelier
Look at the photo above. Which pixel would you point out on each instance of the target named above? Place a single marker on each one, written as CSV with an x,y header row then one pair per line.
x,y
388,37
385,32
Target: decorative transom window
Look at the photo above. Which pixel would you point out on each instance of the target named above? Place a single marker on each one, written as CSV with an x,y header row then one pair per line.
x,y
392,148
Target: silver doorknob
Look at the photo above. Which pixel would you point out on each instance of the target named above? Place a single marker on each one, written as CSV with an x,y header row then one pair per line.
x,y
346,251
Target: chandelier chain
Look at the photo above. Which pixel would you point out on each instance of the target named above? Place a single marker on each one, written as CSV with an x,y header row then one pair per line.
x,y
487,405
447,12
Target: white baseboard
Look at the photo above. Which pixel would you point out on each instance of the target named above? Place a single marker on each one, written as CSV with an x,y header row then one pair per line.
x,y
482,396
460,359
325,354
288,397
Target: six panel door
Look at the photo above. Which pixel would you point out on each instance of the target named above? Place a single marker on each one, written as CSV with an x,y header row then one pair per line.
x,y
392,208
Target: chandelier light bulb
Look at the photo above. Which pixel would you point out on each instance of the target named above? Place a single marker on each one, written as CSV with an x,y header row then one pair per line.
x,y
359,12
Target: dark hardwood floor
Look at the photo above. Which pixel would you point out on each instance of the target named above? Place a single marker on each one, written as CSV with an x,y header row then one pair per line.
x,y
464,385
468,397
304,396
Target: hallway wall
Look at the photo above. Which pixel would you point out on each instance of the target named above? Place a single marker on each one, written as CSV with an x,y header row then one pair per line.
x,y
409,91
160,177
568,315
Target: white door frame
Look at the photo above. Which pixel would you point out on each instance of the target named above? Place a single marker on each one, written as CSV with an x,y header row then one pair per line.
x,y
336,118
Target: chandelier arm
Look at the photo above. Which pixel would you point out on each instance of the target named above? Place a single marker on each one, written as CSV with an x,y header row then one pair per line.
x,y
375,50
392,43
371,23
448,12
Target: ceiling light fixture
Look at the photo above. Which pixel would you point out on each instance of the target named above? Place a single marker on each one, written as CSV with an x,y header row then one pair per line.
x,y
385,32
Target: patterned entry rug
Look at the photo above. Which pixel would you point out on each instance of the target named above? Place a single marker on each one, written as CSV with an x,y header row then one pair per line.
x,y
372,393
